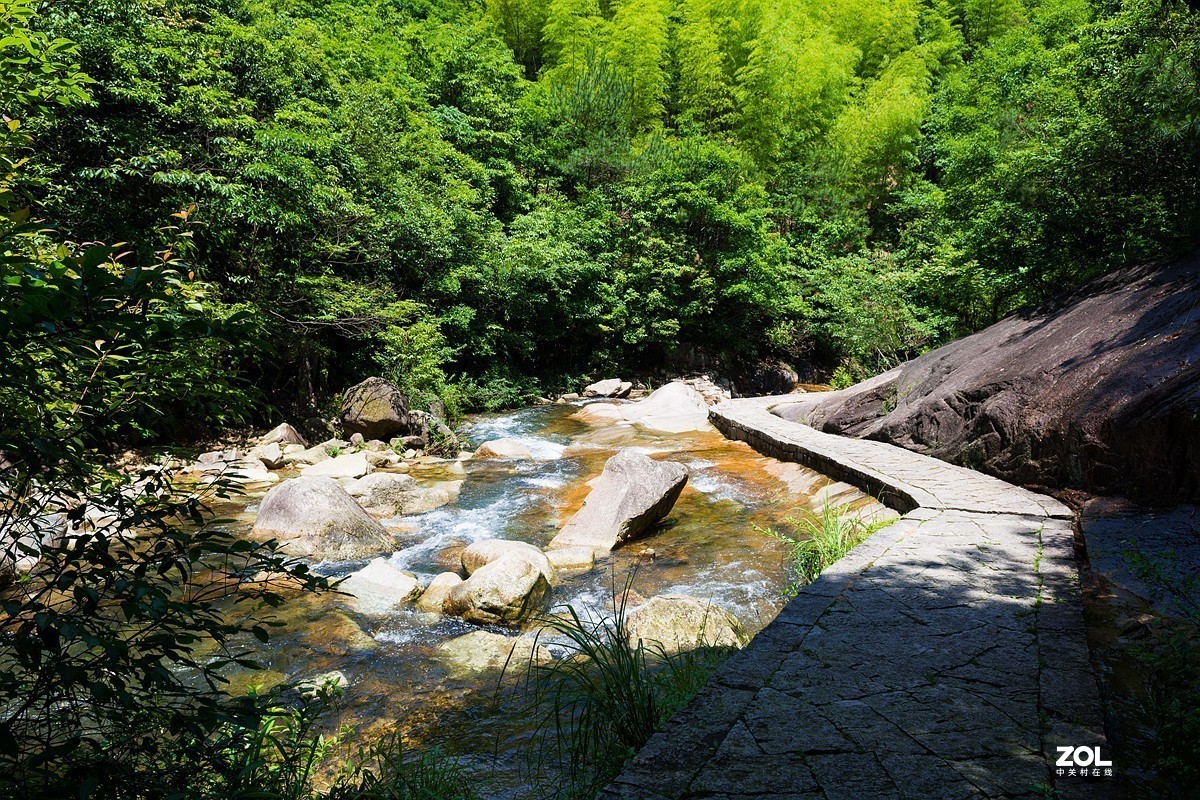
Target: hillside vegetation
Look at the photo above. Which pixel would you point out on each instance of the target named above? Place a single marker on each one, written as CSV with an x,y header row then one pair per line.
x,y
479,203
221,212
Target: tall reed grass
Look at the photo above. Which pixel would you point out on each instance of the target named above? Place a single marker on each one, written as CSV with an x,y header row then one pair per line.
x,y
819,538
598,704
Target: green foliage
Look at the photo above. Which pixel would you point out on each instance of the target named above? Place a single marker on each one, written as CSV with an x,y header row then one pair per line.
x,y
604,699
114,625
820,538
545,188
288,753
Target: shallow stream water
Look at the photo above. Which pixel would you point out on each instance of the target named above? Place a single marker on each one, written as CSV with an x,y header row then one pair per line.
x,y
711,546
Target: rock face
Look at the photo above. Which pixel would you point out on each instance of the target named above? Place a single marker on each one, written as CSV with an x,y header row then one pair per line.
x,y
376,409
315,518
506,591
613,387
680,622
481,651
503,448
632,494
1097,389
379,587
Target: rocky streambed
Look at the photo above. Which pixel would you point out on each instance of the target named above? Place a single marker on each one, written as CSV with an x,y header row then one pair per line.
x,y
554,506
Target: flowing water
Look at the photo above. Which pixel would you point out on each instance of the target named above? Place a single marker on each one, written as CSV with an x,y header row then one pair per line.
x,y
711,546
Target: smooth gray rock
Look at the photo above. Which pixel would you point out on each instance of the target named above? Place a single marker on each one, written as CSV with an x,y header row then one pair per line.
x,y
315,518
376,409
504,592
631,495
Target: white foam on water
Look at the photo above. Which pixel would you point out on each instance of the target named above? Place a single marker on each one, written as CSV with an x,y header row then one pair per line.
x,y
403,636
449,525
591,605
711,483
544,482
542,449
740,590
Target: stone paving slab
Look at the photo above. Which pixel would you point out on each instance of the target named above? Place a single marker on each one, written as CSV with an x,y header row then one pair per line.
x,y
945,657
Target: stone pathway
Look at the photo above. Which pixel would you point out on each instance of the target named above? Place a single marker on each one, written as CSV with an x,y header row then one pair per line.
x,y
943,658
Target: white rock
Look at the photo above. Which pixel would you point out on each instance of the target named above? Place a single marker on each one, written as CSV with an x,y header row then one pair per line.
x,y
380,586
503,448
572,559
348,465
283,434
673,408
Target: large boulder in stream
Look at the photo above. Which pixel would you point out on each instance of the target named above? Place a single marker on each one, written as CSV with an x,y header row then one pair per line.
x,y
507,591
393,494
631,495
315,518
674,408
482,553
680,622
376,409
483,651
1096,389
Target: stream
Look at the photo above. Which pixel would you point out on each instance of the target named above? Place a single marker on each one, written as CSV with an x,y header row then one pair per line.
x,y
710,546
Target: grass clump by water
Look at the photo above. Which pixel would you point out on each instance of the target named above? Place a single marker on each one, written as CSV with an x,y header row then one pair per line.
x,y
819,538
595,707
1170,661
287,757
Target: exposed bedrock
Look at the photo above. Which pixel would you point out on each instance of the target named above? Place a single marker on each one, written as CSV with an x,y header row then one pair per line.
x,y
1098,389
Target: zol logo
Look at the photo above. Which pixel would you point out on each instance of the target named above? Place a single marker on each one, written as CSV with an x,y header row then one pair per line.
x,y
1083,761
1081,757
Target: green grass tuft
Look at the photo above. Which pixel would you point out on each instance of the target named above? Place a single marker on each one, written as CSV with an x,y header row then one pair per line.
x,y
821,538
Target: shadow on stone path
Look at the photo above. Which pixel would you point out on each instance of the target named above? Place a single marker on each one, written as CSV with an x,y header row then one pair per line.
x,y
943,658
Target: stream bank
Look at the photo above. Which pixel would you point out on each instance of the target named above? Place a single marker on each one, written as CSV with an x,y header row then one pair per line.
x,y
402,669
